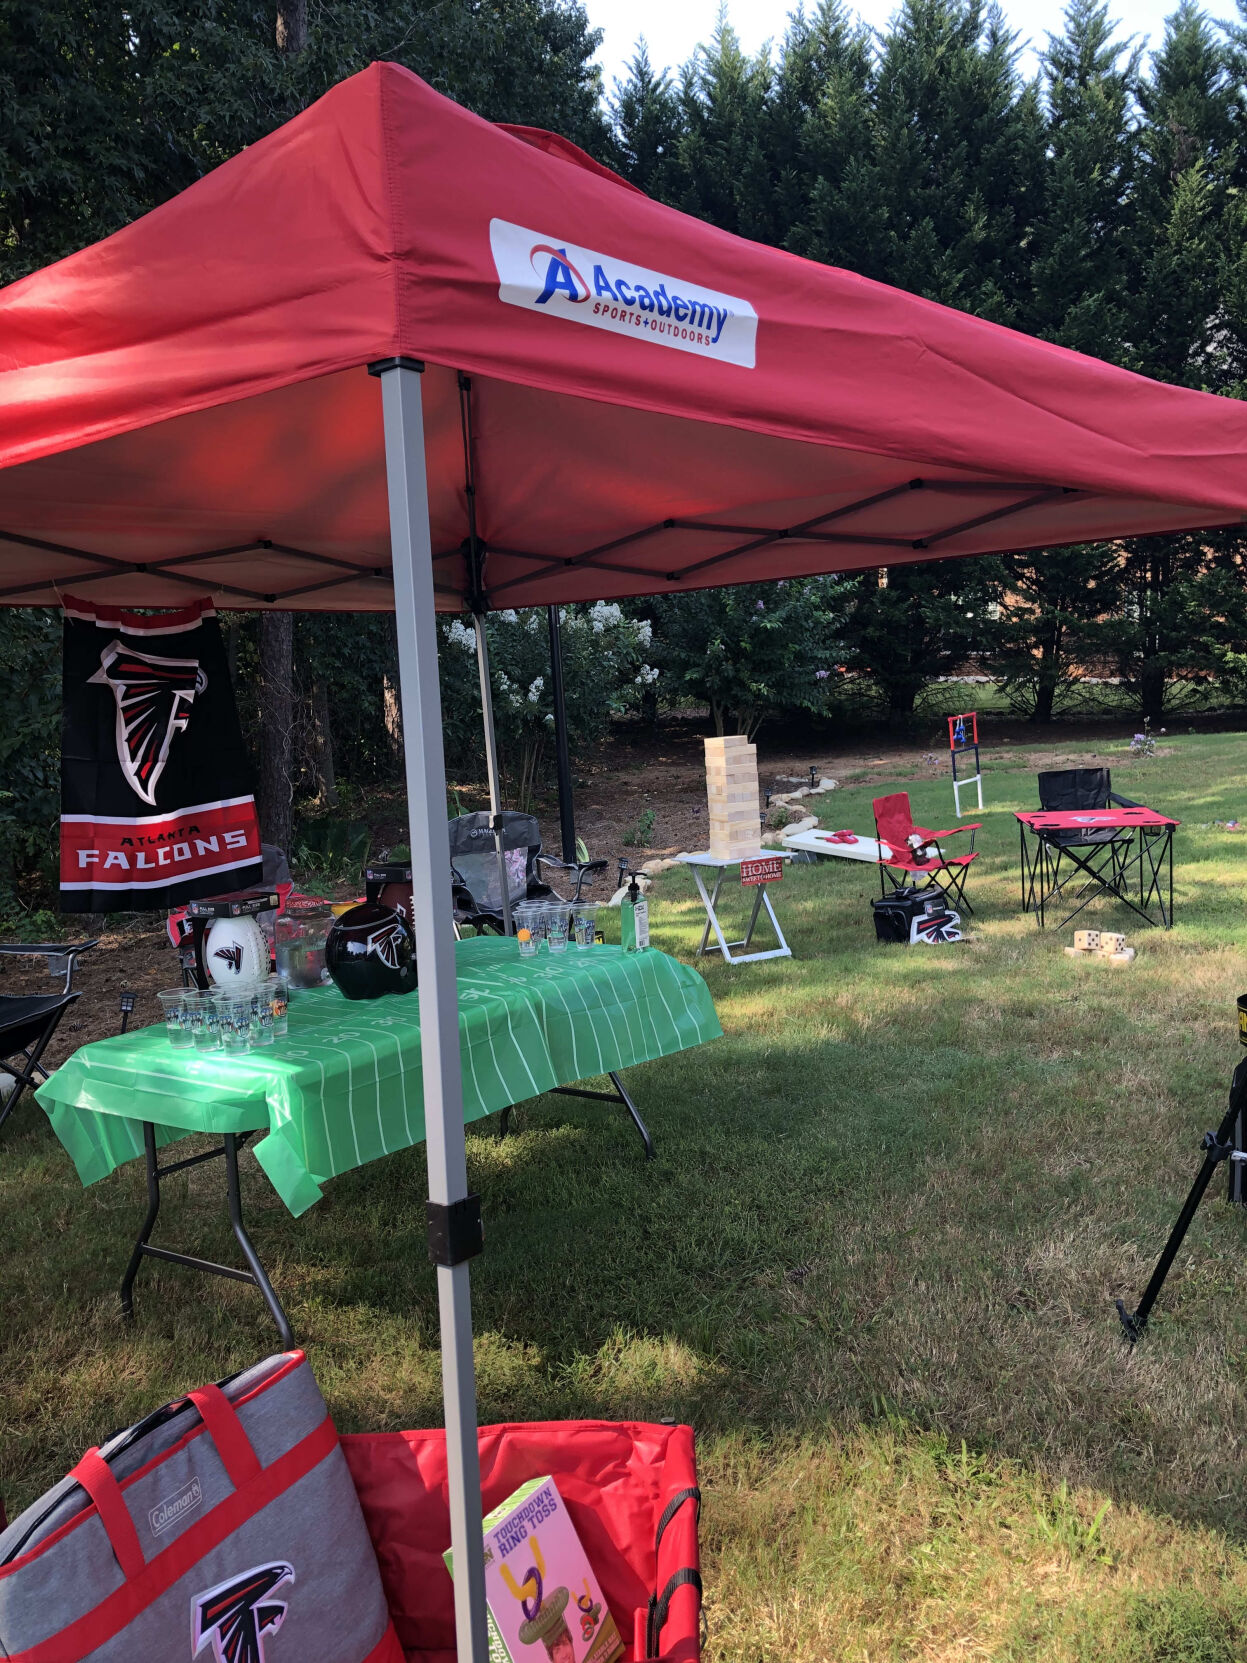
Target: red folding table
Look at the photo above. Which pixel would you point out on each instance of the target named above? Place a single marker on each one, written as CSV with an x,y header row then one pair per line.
x,y
1143,849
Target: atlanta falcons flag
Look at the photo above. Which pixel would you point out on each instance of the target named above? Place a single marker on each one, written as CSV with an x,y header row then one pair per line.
x,y
156,797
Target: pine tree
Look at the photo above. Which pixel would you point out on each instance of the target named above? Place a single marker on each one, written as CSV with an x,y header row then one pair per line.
x,y
1081,240
645,117
1186,215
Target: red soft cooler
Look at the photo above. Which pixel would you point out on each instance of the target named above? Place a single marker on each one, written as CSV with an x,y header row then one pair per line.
x,y
630,1489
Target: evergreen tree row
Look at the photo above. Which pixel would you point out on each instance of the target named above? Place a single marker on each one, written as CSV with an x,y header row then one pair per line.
x,y
1099,205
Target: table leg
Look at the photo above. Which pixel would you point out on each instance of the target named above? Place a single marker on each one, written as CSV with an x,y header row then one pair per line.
x,y
619,1095
710,902
149,1223
258,1273
227,1150
753,916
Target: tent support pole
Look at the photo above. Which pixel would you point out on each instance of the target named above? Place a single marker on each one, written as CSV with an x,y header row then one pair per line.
x,y
491,764
435,957
567,810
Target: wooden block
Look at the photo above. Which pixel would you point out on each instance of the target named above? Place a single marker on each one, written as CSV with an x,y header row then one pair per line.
x,y
1126,956
731,778
1077,953
1088,940
726,742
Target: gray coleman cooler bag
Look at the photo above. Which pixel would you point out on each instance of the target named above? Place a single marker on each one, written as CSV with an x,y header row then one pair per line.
x,y
224,1527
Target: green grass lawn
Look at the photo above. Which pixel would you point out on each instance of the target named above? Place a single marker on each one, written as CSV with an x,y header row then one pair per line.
x,y
874,1266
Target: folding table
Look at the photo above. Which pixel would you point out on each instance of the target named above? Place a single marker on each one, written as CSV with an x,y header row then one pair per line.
x,y
345,1085
699,863
1148,856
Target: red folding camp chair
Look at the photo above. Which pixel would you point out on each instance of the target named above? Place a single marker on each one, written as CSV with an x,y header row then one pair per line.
x,y
915,851
630,1488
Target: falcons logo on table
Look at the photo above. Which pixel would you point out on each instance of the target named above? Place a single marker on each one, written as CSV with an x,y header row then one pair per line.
x,y
235,1616
154,698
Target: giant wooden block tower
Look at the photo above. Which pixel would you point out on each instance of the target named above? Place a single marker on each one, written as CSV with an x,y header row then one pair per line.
x,y
732,792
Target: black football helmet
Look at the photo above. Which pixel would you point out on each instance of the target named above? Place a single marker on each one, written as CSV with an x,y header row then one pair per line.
x,y
370,952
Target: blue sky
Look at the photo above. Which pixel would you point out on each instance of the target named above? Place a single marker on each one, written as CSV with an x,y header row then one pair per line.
x,y
673,28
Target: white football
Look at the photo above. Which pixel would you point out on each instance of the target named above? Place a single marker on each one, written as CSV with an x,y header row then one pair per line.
x,y
236,952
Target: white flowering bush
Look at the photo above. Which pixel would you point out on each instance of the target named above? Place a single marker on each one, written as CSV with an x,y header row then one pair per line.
x,y
605,673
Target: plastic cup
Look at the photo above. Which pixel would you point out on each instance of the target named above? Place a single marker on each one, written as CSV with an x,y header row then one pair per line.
x,y
234,1013
528,919
584,923
279,997
204,1021
261,1015
175,1004
556,929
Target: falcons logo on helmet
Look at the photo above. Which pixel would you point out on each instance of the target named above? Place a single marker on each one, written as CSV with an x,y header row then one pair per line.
x,y
154,698
385,943
235,1616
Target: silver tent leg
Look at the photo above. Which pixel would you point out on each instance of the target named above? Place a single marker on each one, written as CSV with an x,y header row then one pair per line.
x,y
491,762
435,958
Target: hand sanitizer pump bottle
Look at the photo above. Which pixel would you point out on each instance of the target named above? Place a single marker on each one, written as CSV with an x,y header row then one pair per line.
x,y
633,917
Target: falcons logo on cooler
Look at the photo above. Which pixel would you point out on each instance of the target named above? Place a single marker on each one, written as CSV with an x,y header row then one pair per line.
x,y
235,1616
154,698
386,942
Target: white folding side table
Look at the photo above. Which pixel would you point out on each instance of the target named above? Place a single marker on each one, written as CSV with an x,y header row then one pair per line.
x,y
700,863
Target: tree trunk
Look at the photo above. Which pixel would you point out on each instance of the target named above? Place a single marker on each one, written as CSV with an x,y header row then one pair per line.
x,y
276,726
324,743
291,26
1048,677
1152,690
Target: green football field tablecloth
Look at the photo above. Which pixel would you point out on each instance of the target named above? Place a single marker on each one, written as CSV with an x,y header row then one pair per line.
x,y
344,1086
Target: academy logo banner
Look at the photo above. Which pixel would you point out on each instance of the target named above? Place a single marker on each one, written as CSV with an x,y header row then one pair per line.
x,y
157,806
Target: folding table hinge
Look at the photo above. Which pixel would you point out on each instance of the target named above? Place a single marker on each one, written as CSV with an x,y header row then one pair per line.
x,y
456,1230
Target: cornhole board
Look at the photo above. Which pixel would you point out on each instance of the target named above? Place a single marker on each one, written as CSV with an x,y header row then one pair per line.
x,y
820,842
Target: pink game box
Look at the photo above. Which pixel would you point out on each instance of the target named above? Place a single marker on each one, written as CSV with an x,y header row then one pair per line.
x,y
545,1605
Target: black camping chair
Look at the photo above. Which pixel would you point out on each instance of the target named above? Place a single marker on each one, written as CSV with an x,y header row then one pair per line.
x,y
476,883
1078,791
28,1021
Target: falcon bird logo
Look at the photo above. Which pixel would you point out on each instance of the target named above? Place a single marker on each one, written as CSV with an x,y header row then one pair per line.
x,y
386,942
232,956
235,1616
154,698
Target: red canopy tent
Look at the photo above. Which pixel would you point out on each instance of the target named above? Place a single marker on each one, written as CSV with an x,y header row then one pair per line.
x,y
582,394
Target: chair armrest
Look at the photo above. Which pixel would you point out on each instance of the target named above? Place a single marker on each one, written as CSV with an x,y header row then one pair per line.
x,y
58,955
1124,802
932,836
46,949
582,868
